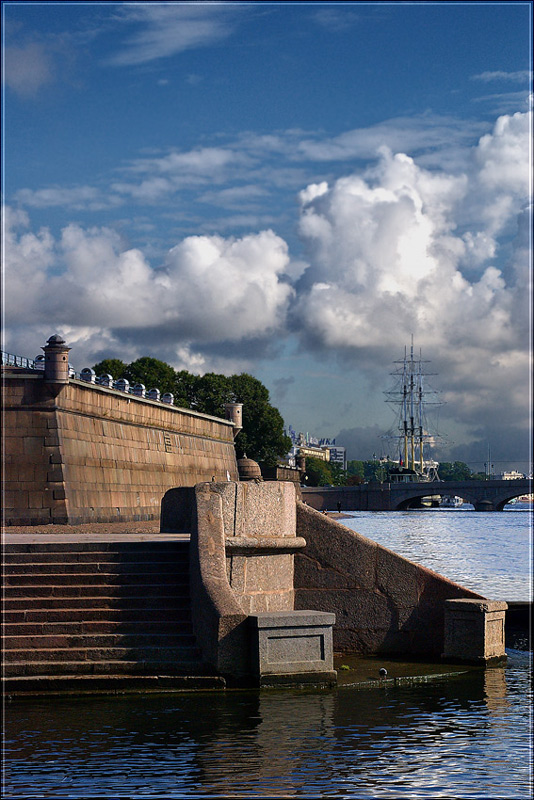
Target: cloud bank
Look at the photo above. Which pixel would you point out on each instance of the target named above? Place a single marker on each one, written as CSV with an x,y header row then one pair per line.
x,y
208,290
391,255
395,249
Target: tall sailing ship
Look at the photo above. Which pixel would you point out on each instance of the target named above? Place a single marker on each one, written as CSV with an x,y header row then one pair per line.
x,y
412,397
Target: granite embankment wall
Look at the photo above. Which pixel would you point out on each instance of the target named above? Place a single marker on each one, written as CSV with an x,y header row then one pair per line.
x,y
383,602
85,453
255,550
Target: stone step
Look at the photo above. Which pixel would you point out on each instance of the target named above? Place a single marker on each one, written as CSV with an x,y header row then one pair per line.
x,y
33,644
118,602
89,578
117,591
175,666
124,549
72,552
66,627
172,567
100,653
176,616
86,609
110,684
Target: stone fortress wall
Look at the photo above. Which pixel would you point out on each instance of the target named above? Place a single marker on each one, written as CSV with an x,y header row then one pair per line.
x,y
77,452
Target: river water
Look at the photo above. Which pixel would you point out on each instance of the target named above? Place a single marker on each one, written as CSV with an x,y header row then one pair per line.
x,y
487,552
463,737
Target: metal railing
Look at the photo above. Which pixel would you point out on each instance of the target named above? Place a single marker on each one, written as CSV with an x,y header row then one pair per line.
x,y
87,376
10,360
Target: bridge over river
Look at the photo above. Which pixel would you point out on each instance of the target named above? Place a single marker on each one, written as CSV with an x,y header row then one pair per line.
x,y
490,495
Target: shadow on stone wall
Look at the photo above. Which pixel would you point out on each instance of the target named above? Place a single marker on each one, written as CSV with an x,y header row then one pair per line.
x,y
383,602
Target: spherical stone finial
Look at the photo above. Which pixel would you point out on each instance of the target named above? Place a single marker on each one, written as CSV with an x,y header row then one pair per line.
x,y
248,469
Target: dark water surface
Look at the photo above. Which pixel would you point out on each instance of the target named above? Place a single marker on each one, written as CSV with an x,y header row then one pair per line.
x,y
467,736
463,737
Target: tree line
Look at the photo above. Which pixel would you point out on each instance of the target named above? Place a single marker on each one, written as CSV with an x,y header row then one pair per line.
x,y
324,473
262,437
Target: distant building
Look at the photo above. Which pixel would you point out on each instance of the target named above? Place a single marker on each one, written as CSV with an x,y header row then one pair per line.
x,y
313,447
314,452
338,455
511,476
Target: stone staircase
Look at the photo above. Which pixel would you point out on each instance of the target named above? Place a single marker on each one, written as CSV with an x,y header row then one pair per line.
x,y
99,616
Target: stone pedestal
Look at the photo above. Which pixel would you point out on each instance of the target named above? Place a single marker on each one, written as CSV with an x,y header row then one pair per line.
x,y
293,647
474,630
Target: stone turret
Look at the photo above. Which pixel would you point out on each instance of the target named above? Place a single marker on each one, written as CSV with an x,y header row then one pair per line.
x,y
56,368
234,413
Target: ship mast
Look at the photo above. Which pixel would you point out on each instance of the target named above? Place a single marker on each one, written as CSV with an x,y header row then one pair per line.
x,y
411,397
412,392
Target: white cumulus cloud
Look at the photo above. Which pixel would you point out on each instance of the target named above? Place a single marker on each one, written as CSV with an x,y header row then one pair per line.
x,y
390,256
88,283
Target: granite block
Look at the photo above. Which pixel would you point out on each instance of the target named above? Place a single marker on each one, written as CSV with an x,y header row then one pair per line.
x,y
292,642
474,630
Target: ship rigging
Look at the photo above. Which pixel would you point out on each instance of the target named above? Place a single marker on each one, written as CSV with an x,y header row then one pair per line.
x,y
411,397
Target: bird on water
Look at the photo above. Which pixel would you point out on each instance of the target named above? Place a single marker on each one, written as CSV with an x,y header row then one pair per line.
x,y
382,672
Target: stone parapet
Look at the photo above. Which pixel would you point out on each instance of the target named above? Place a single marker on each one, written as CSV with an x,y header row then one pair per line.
x,y
260,542
242,573
218,619
383,602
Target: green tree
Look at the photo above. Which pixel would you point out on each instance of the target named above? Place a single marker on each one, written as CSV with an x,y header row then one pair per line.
x,y
355,468
478,476
339,476
262,437
354,480
457,471
318,472
211,392
111,366
185,388
152,373
372,470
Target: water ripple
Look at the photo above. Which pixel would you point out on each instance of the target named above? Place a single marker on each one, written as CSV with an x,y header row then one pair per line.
x,y
466,738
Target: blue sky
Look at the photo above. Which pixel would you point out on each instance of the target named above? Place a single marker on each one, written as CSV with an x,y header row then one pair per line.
x,y
291,190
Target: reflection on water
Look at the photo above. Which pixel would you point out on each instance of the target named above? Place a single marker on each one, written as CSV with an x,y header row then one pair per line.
x,y
466,737
489,553
495,689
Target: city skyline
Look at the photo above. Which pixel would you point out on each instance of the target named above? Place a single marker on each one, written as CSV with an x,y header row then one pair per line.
x,y
289,190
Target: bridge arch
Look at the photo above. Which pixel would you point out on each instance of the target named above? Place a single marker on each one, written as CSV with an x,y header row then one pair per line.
x,y
491,500
505,498
412,498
